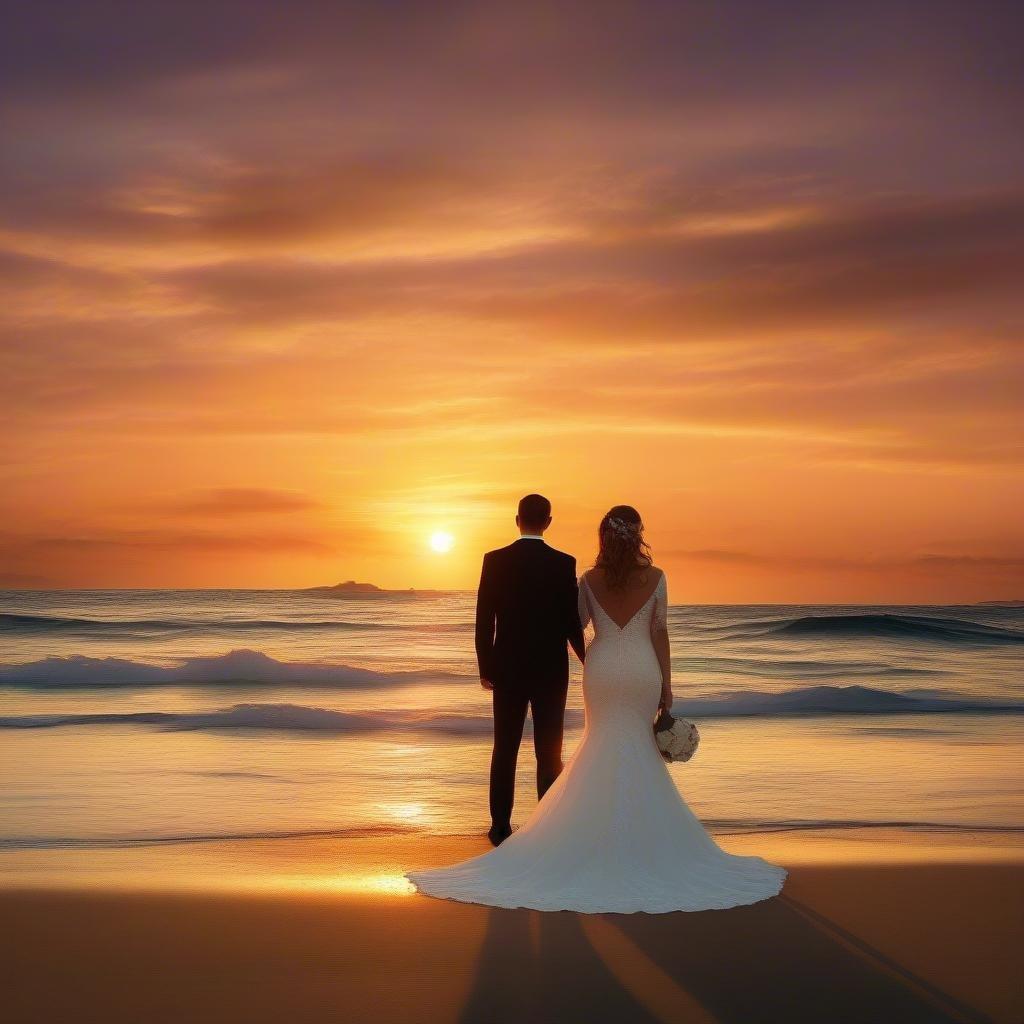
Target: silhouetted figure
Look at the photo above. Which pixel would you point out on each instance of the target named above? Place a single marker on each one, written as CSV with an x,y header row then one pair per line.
x,y
527,610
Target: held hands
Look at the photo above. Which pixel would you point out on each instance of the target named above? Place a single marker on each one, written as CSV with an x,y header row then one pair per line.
x,y
486,683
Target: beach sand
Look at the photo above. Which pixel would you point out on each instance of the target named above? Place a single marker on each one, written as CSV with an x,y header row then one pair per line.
x,y
326,930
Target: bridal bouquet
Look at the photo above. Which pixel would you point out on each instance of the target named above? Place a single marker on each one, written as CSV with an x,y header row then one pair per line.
x,y
677,738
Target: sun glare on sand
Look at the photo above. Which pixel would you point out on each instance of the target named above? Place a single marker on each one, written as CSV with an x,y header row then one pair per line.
x,y
441,541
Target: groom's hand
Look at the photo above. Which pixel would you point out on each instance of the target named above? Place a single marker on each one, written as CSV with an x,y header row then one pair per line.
x,y
486,683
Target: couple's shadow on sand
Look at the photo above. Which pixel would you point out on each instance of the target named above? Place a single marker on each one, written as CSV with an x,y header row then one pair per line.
x,y
775,961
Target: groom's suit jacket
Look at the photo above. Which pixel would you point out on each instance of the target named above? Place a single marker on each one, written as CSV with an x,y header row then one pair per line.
x,y
526,611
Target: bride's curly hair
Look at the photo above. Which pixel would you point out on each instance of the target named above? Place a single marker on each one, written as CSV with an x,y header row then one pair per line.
x,y
621,545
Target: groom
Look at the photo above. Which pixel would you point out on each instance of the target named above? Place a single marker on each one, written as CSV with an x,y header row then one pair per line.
x,y
526,610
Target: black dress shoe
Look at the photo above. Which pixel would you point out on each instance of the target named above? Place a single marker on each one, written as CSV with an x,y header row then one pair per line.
x,y
499,833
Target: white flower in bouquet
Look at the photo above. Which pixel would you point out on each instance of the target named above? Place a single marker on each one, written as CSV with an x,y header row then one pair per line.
x,y
677,738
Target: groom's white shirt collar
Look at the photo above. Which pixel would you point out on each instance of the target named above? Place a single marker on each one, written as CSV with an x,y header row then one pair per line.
x,y
530,536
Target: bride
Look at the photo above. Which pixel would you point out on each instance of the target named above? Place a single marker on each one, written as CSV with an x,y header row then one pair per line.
x,y
612,834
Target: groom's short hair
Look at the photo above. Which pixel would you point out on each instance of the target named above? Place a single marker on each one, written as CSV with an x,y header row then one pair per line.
x,y
534,511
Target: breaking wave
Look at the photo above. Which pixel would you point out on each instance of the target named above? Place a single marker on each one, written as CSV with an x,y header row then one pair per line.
x,y
885,625
241,667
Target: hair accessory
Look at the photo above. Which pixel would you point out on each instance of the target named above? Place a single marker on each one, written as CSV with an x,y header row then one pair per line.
x,y
622,528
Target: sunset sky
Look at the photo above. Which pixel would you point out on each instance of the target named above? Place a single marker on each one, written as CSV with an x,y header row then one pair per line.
x,y
285,288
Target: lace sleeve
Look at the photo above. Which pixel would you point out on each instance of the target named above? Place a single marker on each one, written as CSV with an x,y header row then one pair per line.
x,y
659,617
584,605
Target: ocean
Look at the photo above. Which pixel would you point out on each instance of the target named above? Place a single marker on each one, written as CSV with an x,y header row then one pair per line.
x,y
149,717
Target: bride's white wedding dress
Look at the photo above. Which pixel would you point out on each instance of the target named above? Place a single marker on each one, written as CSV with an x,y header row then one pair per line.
x,y
612,835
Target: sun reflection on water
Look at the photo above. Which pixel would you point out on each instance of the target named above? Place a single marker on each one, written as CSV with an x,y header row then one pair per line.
x,y
383,884
404,812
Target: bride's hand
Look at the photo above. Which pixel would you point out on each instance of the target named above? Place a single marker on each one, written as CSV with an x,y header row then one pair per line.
x,y
666,698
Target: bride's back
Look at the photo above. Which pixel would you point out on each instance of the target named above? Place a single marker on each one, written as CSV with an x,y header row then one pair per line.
x,y
622,603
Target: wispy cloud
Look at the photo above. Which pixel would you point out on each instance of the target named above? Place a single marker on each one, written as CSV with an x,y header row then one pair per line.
x,y
236,501
993,565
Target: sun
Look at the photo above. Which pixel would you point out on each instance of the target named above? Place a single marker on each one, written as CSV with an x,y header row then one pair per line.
x,y
441,541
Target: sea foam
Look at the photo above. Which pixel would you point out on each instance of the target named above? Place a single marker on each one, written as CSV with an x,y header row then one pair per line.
x,y
811,701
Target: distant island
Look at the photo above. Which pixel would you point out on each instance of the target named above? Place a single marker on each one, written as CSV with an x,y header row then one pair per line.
x,y
368,591
1001,604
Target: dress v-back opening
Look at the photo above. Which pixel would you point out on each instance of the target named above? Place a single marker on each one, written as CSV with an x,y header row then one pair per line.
x,y
608,615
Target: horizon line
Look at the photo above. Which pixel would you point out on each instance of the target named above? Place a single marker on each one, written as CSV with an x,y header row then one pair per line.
x,y
435,590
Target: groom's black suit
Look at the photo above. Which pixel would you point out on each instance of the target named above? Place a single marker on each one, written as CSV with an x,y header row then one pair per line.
x,y
526,611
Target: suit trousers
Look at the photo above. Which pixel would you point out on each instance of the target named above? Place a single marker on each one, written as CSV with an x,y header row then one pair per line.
x,y
547,705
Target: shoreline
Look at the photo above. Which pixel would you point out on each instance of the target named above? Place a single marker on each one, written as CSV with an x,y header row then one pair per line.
x,y
377,860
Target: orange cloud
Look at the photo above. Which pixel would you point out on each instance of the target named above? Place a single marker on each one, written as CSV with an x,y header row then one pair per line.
x,y
340,280
237,501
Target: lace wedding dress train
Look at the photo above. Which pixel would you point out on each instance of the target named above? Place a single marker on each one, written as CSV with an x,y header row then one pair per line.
x,y
612,835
